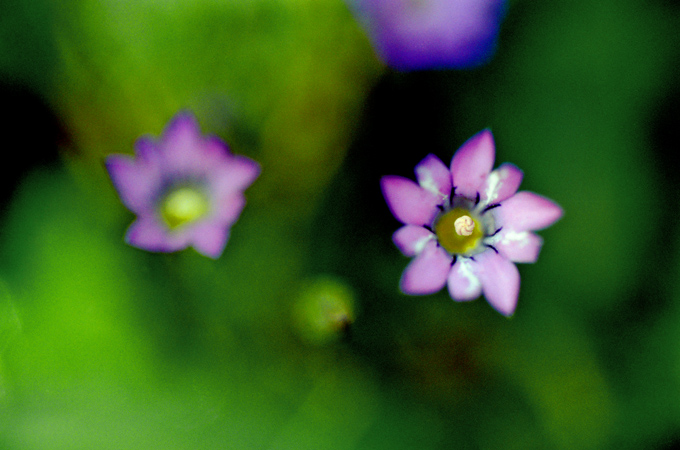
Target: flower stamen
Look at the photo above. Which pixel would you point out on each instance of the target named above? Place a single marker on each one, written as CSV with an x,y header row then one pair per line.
x,y
495,232
464,226
491,206
491,247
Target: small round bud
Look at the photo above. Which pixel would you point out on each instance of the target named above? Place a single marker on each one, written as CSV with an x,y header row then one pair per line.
x,y
464,225
323,310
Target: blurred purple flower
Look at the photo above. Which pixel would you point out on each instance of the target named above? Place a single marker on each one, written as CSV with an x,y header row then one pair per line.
x,y
185,188
429,34
467,225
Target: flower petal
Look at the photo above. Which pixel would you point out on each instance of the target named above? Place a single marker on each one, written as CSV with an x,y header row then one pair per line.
x,y
228,208
519,246
501,183
528,211
427,273
432,34
462,282
434,176
137,183
409,203
148,234
182,127
500,281
184,148
472,163
234,174
146,150
411,239
209,239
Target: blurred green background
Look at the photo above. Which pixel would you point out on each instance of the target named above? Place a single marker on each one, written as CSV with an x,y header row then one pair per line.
x,y
104,346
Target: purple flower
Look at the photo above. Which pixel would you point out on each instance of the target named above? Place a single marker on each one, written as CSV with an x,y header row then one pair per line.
x,y
185,188
467,225
427,34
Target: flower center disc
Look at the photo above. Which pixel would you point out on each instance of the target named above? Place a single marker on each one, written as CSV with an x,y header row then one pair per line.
x,y
454,243
184,205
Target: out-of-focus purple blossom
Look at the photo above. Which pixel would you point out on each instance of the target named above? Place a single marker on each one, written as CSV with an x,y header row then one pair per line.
x,y
466,225
430,34
185,188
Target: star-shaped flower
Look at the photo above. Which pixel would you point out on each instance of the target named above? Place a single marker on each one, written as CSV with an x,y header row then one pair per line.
x,y
467,225
185,188
428,34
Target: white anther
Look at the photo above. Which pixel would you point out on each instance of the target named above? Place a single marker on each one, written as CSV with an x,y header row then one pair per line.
x,y
464,225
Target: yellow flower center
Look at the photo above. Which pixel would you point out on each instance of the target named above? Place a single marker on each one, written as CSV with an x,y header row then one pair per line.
x,y
455,238
184,205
